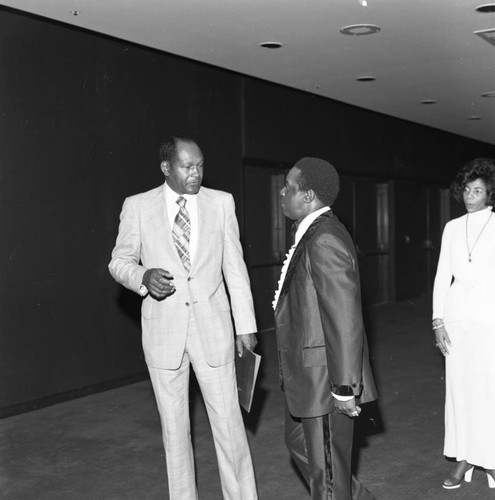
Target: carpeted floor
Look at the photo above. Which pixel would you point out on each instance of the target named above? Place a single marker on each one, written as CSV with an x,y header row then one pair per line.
x,y
108,446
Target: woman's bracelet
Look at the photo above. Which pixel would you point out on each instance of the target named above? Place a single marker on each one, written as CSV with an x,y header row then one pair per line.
x,y
437,326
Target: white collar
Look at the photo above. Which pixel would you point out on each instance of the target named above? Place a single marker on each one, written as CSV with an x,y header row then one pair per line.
x,y
307,221
479,213
170,194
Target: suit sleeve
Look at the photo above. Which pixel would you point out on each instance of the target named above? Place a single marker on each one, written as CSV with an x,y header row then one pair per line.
x,y
236,275
125,264
336,280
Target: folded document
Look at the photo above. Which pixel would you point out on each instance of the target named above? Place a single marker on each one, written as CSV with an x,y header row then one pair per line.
x,y
246,372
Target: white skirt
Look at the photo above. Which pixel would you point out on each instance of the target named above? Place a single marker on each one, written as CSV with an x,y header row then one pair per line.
x,y
470,394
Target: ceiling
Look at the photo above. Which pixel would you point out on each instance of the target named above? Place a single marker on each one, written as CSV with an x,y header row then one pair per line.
x,y
426,50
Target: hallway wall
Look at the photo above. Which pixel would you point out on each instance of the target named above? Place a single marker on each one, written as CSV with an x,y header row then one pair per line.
x,y
81,119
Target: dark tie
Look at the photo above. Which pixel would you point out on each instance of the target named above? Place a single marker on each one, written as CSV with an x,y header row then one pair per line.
x,y
181,232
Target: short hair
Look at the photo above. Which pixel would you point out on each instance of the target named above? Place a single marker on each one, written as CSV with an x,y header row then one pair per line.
x,y
321,177
480,168
169,149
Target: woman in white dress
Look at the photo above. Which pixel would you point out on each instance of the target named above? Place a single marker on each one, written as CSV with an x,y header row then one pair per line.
x,y
464,324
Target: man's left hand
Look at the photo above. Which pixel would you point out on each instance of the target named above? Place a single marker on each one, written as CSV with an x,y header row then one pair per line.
x,y
246,341
348,408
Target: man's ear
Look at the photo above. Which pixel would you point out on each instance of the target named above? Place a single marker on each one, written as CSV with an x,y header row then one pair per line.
x,y
165,167
309,196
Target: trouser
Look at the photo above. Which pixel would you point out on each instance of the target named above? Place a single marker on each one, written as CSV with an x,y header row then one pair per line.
x,y
219,390
321,447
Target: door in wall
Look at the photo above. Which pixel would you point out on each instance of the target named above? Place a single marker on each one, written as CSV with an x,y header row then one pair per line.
x,y
420,214
370,230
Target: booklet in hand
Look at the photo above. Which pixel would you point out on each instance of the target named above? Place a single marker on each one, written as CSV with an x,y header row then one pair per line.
x,y
246,372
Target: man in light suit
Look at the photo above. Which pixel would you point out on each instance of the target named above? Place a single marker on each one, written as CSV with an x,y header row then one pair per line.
x,y
323,352
177,246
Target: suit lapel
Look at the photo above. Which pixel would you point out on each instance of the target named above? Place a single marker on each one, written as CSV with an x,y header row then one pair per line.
x,y
206,218
296,256
159,217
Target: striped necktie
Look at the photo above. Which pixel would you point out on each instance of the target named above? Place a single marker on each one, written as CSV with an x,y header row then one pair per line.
x,y
181,232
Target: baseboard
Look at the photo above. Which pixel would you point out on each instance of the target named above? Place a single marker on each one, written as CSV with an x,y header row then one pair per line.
x,y
37,404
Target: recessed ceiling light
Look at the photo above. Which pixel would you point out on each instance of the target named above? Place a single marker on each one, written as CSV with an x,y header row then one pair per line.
x,y
486,8
360,29
75,12
488,94
428,101
271,45
365,79
474,118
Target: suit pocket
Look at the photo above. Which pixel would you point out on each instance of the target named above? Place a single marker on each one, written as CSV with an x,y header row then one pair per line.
x,y
149,309
315,356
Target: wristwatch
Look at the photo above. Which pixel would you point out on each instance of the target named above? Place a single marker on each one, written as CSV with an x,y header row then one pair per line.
x,y
143,291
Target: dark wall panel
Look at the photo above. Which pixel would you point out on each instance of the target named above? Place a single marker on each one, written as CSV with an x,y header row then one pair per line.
x,y
81,117
284,124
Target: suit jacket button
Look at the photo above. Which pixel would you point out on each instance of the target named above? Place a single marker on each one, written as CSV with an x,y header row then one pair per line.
x,y
187,304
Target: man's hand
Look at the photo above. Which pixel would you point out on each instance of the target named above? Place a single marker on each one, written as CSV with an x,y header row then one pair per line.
x,y
348,408
159,283
246,341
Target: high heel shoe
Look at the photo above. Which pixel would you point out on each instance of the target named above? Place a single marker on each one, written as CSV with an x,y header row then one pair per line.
x,y
453,482
491,480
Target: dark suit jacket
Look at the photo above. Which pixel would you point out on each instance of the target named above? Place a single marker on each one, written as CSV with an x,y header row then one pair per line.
x,y
321,340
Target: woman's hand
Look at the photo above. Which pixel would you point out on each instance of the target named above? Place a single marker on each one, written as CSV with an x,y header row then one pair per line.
x,y
443,340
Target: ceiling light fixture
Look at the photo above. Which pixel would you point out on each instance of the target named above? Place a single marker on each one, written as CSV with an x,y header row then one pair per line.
x,y
488,35
428,101
488,94
360,29
75,12
474,118
271,45
486,8
363,3
365,79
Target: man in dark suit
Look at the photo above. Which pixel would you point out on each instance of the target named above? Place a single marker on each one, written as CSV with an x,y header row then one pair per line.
x,y
322,347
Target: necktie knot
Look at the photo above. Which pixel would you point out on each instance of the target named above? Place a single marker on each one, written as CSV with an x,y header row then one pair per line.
x,y
181,201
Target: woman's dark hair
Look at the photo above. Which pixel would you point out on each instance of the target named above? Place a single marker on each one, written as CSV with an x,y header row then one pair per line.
x,y
480,168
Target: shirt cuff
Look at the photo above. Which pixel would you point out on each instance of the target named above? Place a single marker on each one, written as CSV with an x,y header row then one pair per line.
x,y
342,398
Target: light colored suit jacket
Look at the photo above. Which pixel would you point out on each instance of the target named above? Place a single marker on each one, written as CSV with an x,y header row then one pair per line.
x,y
145,241
320,334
